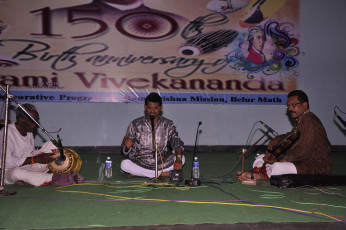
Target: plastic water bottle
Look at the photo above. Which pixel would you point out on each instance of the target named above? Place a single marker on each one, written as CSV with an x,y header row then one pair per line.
x,y
108,168
195,168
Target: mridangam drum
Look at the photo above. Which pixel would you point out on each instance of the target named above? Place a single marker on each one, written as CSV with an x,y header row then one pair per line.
x,y
72,162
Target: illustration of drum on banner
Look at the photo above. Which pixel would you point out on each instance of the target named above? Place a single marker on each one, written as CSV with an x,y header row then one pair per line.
x,y
209,42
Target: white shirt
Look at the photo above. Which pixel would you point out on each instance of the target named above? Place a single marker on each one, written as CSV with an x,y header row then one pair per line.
x,y
18,147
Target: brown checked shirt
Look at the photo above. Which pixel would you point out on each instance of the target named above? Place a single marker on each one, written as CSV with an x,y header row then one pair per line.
x,y
311,153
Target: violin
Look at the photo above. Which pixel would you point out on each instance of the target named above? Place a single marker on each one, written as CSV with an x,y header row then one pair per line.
x,y
278,150
284,144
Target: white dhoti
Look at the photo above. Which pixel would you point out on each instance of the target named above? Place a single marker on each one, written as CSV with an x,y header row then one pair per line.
x,y
35,174
136,170
277,168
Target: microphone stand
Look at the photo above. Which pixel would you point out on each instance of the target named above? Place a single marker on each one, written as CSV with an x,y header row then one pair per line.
x,y
154,145
245,151
156,179
3,191
193,182
250,181
60,160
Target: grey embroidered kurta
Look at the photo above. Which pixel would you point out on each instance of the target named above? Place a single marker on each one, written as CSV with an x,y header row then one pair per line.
x,y
142,152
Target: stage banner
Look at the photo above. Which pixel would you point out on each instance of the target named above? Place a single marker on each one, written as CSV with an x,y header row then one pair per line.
x,y
195,51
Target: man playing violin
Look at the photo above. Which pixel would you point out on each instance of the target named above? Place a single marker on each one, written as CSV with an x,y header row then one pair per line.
x,y
310,153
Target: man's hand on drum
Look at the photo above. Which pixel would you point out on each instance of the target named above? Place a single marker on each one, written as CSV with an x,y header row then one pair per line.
x,y
44,158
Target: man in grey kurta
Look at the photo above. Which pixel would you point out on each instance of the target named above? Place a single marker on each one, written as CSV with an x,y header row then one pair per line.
x,y
150,134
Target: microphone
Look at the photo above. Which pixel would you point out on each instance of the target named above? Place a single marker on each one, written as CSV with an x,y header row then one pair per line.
x,y
61,159
152,122
340,119
269,129
62,155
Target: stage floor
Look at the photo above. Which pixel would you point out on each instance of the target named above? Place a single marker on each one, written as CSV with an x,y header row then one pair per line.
x,y
219,203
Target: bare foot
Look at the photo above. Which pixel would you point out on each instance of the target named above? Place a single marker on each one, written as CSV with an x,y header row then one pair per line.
x,y
247,175
131,175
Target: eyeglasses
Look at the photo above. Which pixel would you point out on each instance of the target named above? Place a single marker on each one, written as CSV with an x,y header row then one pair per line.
x,y
293,105
153,107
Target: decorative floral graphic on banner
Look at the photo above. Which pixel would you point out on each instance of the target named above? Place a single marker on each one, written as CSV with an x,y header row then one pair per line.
x,y
197,51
